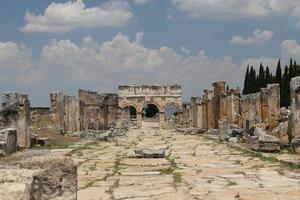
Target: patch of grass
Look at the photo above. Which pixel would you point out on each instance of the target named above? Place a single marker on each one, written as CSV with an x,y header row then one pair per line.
x,y
177,177
198,171
168,170
116,169
79,149
272,159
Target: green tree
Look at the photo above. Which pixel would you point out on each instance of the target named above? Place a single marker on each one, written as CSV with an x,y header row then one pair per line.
x,y
246,81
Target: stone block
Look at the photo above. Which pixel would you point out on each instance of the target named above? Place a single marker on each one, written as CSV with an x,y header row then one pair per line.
x,y
9,137
261,141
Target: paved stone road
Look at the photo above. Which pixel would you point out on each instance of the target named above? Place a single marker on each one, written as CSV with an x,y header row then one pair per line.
x,y
195,168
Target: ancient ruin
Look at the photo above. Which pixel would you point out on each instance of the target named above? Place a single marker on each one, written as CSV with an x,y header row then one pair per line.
x,y
137,96
145,143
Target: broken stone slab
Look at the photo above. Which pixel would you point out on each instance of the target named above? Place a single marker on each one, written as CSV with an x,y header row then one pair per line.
x,y
150,153
296,145
261,141
9,137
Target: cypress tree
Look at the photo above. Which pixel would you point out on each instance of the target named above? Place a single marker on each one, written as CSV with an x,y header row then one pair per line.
x,y
261,76
246,81
268,78
278,76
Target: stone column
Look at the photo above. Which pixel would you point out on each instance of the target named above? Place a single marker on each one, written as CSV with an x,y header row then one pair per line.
x,y
264,105
218,112
209,115
139,119
273,105
295,107
161,120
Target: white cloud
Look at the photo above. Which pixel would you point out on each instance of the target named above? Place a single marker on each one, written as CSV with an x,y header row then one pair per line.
x,y
65,17
290,49
16,64
257,38
141,2
239,9
123,61
255,62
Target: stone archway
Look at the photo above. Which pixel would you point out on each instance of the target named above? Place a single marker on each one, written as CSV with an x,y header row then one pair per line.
x,y
158,95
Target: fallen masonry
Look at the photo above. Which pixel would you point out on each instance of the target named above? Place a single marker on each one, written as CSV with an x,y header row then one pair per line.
x,y
149,153
38,177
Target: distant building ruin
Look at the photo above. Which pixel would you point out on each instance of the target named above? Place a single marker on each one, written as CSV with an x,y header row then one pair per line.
x,y
159,95
220,104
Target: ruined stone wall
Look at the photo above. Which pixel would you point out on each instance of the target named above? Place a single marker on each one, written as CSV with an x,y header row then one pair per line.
x,y
251,109
294,121
15,113
73,111
273,105
149,90
100,111
57,109
231,106
196,115
262,107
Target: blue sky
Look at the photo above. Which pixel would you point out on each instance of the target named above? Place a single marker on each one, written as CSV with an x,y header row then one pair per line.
x,y
97,44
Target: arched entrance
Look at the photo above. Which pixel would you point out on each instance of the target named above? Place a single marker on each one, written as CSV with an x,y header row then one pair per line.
x,y
172,116
155,97
129,114
150,113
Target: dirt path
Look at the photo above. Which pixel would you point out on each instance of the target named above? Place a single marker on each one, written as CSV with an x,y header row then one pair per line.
x,y
196,167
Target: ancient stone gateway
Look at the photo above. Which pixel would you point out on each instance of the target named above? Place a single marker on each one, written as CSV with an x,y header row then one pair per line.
x,y
161,96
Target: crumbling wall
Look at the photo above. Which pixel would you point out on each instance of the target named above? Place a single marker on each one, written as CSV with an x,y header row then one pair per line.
x,y
15,113
100,111
72,114
294,124
57,109
251,110
273,105
196,112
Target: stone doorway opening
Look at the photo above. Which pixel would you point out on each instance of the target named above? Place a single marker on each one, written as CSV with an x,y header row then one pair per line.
x,y
150,114
130,115
172,116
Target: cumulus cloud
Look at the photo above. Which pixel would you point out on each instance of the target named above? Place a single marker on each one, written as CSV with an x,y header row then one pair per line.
x,y
257,38
16,64
290,49
141,2
65,17
237,9
124,61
